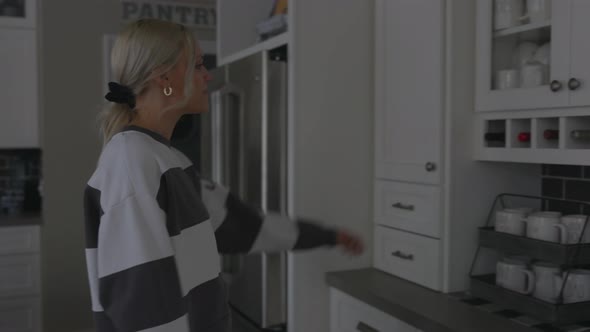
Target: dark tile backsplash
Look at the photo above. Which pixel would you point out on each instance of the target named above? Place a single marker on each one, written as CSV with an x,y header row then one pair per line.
x,y
564,171
20,173
569,183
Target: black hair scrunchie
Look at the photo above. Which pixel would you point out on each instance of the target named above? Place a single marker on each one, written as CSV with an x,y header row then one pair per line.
x,y
120,94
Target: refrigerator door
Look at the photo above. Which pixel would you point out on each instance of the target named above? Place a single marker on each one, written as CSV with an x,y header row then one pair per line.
x,y
192,134
249,156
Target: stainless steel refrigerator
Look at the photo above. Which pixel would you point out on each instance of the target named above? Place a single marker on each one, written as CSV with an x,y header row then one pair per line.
x,y
243,145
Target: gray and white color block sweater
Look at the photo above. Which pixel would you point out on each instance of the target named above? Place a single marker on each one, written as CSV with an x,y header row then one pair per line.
x,y
154,231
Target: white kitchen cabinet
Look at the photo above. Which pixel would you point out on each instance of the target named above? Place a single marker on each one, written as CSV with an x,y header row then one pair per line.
x,y
20,279
237,37
20,314
408,88
410,256
19,124
426,222
580,52
411,207
567,73
351,315
537,124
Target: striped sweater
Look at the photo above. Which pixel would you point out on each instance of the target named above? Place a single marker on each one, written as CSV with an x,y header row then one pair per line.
x,y
154,231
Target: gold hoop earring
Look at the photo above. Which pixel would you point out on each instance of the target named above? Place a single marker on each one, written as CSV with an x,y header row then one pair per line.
x,y
168,91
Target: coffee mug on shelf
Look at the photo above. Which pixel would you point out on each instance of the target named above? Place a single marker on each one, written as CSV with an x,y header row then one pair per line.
x,y
545,226
524,53
533,74
508,13
510,221
538,11
507,79
513,274
577,286
547,284
574,225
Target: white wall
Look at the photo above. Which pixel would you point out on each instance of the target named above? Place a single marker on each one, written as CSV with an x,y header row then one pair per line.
x,y
71,87
332,107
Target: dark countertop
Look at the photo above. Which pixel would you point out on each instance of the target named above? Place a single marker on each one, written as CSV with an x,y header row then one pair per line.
x,y
421,307
25,219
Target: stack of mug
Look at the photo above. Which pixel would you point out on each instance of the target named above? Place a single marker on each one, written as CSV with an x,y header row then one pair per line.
x,y
510,13
530,68
543,280
545,225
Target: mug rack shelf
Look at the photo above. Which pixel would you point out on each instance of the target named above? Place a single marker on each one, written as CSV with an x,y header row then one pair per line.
x,y
567,256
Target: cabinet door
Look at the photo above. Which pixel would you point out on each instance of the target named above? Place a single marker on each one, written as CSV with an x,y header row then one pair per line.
x,y
580,58
409,78
20,314
351,315
18,91
502,54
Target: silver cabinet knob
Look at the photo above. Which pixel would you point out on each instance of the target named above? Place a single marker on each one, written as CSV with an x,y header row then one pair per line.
x,y
430,167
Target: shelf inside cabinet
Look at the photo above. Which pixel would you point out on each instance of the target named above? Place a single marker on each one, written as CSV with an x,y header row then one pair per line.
x,y
495,134
521,29
484,286
546,133
520,133
577,132
272,43
542,250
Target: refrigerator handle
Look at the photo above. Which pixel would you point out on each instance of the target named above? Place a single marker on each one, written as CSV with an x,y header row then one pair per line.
x,y
216,123
231,264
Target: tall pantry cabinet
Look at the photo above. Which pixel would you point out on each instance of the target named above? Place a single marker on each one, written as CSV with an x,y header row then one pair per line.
x,y
429,194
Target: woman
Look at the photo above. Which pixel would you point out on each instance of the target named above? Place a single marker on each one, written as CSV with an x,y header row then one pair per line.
x,y
154,228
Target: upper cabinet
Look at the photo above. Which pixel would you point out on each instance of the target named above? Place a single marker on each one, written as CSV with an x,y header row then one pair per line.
x,y
532,54
245,28
580,53
409,102
19,124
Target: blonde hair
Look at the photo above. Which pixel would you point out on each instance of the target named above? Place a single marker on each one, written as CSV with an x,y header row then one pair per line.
x,y
145,49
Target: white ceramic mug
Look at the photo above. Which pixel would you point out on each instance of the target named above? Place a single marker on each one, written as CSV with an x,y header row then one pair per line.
x,y
507,79
577,286
546,281
532,75
507,13
538,10
574,225
545,226
510,221
513,274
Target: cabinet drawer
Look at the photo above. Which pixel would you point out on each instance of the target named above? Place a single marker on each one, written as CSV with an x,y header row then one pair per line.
x,y
19,275
351,315
409,256
19,240
411,207
20,315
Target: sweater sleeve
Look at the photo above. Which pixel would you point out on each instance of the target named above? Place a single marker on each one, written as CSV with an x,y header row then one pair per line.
x,y
240,228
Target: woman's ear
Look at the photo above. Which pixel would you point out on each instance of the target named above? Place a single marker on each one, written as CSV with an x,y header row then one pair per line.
x,y
162,81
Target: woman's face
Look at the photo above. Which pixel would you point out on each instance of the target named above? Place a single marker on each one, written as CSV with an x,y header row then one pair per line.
x,y
199,101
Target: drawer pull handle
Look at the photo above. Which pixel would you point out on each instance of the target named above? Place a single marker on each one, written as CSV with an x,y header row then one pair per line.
x,y
362,327
399,254
401,206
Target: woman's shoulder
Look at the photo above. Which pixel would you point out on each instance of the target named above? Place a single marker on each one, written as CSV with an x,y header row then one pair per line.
x,y
129,164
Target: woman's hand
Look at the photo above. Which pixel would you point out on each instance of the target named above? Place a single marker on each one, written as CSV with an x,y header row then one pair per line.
x,y
350,243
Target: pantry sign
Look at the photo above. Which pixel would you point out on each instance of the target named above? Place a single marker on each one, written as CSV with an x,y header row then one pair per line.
x,y
198,14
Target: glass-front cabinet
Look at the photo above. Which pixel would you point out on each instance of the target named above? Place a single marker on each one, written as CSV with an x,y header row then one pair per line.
x,y
532,54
